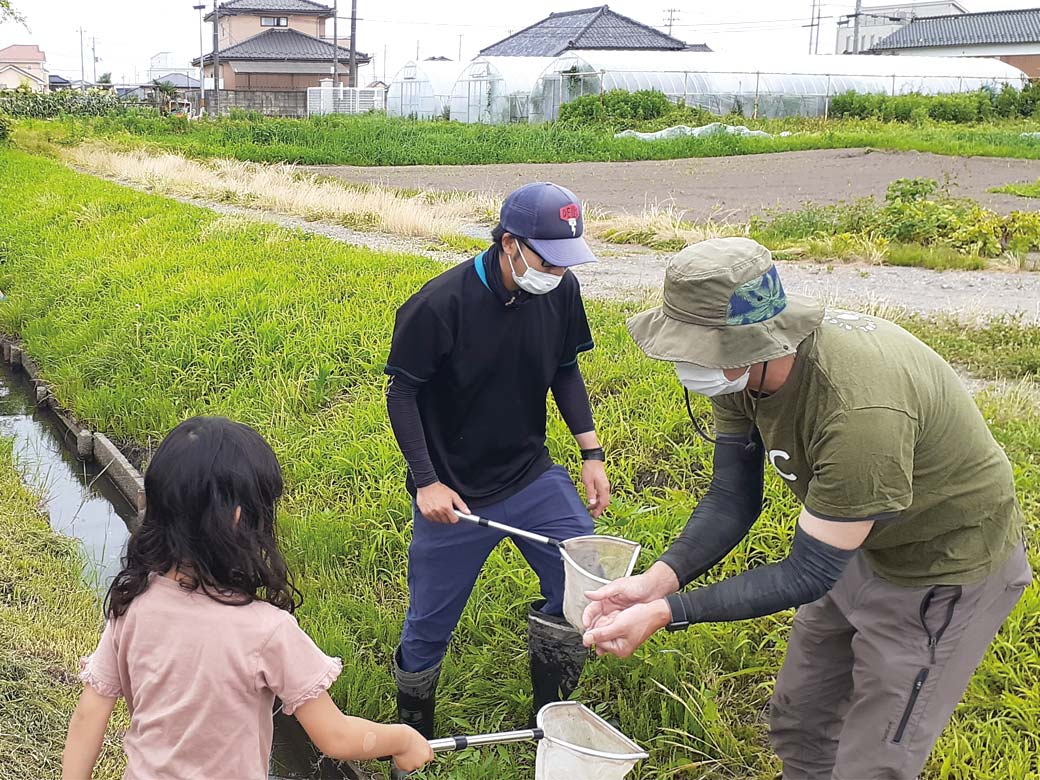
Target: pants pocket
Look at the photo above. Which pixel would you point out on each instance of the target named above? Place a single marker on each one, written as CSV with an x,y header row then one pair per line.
x,y
915,691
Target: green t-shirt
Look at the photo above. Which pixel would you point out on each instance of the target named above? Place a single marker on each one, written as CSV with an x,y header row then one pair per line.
x,y
873,424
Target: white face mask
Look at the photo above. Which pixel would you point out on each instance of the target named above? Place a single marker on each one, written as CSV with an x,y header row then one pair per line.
x,y
534,282
710,381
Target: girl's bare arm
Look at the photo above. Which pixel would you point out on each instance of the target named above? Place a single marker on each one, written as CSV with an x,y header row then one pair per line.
x,y
86,733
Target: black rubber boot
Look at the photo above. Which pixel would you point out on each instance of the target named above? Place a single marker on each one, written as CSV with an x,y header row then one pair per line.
x,y
557,658
416,700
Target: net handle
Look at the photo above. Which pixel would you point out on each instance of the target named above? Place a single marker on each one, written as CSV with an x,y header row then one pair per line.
x,y
508,529
449,744
500,738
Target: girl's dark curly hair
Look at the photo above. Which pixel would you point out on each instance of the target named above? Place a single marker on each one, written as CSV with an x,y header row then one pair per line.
x,y
211,490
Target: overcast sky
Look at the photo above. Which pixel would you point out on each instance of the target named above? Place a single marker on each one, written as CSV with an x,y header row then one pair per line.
x,y
129,32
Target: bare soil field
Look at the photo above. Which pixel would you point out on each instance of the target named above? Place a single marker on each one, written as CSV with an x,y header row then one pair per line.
x,y
723,188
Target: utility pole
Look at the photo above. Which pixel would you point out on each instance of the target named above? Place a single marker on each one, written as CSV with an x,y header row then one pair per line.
x,y
335,43
202,55
855,26
82,66
353,43
384,63
672,12
460,47
93,55
216,58
819,19
812,24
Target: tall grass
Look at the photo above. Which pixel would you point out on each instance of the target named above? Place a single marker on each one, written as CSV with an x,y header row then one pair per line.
x,y
142,311
49,617
379,140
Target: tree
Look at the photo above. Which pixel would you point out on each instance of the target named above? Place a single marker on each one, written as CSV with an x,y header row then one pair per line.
x,y
105,78
165,94
8,14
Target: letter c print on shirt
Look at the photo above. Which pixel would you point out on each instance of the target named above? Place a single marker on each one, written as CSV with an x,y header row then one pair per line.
x,y
773,455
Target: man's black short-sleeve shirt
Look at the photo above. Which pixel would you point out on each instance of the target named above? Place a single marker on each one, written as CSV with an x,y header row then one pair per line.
x,y
485,369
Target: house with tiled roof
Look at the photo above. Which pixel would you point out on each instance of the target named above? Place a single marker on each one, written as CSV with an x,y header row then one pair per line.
x,y
276,45
585,28
1011,36
23,65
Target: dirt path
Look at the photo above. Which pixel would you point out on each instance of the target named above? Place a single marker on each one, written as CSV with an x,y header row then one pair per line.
x,y
731,188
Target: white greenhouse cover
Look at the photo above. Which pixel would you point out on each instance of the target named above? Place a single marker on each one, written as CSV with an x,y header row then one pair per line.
x,y
496,90
759,85
421,90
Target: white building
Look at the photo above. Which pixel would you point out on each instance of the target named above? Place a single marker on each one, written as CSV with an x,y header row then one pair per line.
x,y
164,63
879,21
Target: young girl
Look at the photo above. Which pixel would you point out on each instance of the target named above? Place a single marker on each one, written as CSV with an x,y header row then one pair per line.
x,y
200,635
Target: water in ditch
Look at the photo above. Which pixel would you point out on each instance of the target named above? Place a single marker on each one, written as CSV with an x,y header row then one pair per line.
x,y
82,503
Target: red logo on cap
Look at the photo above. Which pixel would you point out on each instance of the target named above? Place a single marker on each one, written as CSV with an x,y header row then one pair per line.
x,y
570,211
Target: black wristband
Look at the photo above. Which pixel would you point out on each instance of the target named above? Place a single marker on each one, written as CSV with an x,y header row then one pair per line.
x,y
680,620
596,453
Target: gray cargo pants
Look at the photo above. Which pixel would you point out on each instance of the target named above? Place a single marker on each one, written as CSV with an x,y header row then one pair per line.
x,y
874,671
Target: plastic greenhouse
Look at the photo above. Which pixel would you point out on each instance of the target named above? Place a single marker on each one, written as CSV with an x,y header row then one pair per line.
x,y
764,87
421,90
496,90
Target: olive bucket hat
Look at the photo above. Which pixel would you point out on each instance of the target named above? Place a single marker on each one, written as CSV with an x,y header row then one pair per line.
x,y
724,307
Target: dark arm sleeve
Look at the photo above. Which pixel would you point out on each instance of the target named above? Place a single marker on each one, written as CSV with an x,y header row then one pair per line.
x,y
572,399
578,337
402,405
808,572
726,512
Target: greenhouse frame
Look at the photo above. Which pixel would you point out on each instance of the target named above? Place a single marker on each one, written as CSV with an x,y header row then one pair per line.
x,y
496,90
421,90
758,87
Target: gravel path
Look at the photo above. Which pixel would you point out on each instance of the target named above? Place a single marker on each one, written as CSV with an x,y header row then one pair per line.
x,y
732,188
967,294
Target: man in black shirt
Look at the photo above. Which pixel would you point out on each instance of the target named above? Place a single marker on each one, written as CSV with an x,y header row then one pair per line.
x,y
473,356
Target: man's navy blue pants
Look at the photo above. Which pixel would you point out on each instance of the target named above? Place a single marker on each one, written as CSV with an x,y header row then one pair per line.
x,y
444,561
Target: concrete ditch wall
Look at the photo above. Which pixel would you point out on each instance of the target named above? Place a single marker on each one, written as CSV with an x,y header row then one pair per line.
x,y
90,445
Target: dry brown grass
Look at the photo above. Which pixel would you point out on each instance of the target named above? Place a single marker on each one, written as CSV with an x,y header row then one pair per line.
x,y
284,189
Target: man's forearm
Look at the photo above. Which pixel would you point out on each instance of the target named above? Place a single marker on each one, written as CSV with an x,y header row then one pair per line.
x,y
724,515
805,575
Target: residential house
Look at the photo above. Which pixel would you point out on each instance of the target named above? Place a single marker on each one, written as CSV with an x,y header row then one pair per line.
x,y
276,45
187,88
586,28
58,83
23,65
1010,36
879,21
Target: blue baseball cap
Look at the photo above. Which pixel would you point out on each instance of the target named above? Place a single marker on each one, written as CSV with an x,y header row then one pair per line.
x,y
548,218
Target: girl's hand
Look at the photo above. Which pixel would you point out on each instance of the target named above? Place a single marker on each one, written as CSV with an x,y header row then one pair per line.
x,y
415,751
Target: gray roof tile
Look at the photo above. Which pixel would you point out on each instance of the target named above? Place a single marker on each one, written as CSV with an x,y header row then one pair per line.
x,y
587,28
271,7
284,44
991,27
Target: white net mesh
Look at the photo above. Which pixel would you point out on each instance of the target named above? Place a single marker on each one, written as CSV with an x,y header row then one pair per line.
x,y
580,745
589,563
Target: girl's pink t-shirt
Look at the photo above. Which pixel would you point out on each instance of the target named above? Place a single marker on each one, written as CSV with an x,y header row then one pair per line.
x,y
200,678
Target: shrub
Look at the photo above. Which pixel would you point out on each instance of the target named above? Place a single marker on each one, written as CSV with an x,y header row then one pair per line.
x,y
960,108
5,128
616,107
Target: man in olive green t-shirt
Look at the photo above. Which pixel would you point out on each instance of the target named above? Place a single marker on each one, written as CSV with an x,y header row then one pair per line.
x,y
908,552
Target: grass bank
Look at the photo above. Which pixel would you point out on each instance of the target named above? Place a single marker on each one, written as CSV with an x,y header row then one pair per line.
x,y
380,140
49,617
142,311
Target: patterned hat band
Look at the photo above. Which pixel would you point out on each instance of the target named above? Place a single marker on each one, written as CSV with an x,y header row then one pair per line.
x,y
752,302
